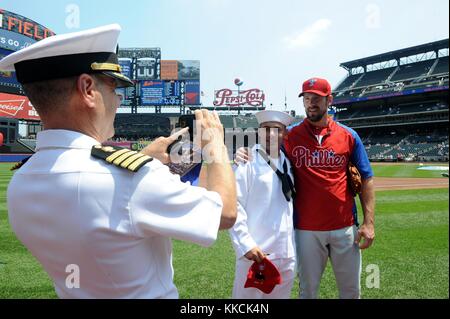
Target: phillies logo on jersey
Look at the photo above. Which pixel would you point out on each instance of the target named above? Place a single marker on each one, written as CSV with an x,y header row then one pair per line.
x,y
317,158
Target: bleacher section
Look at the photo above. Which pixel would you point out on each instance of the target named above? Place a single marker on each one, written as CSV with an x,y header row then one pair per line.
x,y
28,143
392,110
375,77
441,67
351,93
375,150
407,77
422,150
137,126
408,150
348,82
413,70
439,150
246,122
227,121
401,112
426,144
385,138
403,72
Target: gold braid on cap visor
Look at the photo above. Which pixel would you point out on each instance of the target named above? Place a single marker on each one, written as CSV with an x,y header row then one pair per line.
x,y
106,67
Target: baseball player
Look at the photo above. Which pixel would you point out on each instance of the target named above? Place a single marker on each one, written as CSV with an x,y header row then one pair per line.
x,y
325,219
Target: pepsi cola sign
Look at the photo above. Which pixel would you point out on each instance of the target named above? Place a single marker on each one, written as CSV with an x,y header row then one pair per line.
x,y
234,98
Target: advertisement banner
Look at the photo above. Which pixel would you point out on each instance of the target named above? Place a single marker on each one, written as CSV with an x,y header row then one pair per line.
x,y
192,96
169,70
173,92
17,32
139,53
148,62
7,78
14,41
189,70
17,106
146,69
127,67
138,146
127,96
229,98
152,92
18,24
162,93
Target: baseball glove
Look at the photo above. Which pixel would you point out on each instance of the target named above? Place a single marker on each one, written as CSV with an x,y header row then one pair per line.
x,y
354,179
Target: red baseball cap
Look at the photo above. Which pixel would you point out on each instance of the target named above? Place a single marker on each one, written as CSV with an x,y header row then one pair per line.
x,y
263,276
317,86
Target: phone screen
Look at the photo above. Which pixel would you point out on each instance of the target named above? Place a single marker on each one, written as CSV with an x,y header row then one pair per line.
x,y
184,155
187,121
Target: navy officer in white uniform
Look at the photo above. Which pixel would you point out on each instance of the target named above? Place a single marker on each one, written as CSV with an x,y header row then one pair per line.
x,y
107,213
264,226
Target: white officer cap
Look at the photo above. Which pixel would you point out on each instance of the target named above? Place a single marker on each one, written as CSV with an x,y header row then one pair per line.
x,y
66,55
274,116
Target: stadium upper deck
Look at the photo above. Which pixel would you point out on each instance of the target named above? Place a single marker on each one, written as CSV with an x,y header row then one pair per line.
x,y
398,102
402,72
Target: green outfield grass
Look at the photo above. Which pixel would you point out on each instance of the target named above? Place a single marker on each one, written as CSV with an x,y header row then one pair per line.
x,y
406,170
411,251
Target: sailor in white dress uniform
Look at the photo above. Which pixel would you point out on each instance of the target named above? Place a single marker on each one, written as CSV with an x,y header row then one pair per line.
x,y
98,218
264,224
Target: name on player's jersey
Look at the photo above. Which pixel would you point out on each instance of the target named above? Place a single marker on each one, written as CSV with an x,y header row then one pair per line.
x,y
317,158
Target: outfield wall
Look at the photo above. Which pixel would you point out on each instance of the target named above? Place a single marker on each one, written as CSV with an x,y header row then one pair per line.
x,y
12,158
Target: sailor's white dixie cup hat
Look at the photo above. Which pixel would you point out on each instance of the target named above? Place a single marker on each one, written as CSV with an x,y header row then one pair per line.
x,y
274,116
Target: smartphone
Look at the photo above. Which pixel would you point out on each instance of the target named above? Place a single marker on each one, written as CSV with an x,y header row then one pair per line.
x,y
187,121
184,121
184,155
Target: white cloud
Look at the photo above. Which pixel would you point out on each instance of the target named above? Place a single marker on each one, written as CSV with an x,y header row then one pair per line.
x,y
309,36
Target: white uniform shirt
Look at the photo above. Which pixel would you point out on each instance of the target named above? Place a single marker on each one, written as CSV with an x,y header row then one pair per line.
x,y
265,217
68,207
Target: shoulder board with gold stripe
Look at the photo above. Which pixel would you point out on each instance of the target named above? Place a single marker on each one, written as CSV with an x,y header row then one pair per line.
x,y
20,164
121,157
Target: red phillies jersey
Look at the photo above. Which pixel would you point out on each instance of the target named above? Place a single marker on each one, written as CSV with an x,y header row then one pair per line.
x,y
324,201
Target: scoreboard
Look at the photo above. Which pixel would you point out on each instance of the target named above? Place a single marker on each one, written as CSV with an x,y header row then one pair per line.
x,y
159,82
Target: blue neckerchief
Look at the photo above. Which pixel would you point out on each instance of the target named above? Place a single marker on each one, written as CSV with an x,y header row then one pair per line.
x,y
193,175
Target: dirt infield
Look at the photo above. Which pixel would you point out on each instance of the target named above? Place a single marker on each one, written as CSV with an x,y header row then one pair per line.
x,y
391,183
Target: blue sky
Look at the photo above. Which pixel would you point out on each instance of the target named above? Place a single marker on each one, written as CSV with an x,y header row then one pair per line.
x,y
271,45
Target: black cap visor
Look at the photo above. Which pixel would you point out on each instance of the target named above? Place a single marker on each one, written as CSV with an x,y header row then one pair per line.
x,y
121,80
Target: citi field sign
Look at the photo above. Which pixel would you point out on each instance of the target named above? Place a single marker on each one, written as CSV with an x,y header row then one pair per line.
x,y
17,32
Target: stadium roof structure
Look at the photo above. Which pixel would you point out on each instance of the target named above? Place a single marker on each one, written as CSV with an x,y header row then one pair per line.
x,y
397,54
